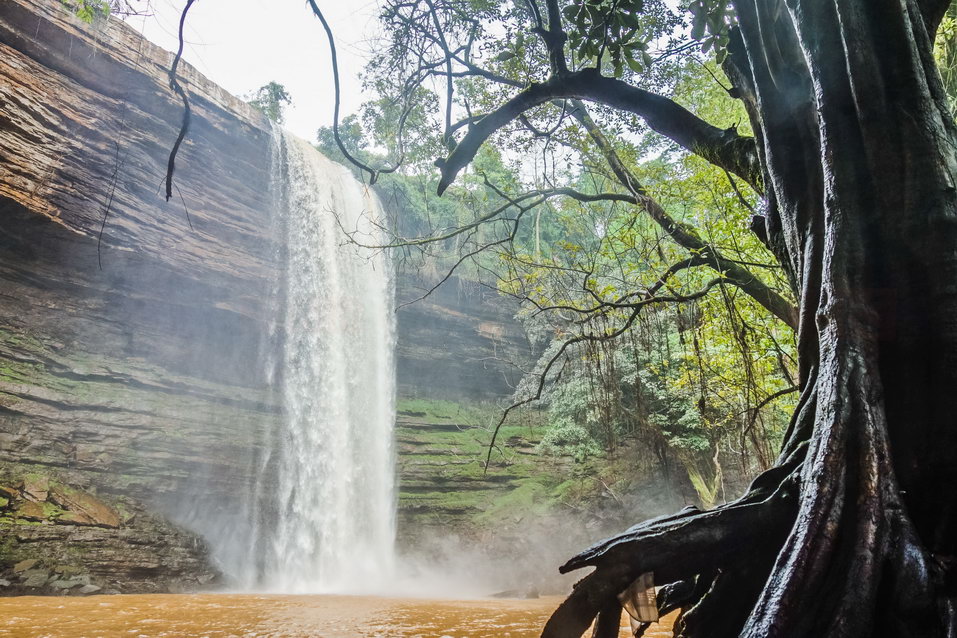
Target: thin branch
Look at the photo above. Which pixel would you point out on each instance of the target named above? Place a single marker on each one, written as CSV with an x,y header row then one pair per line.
x,y
461,260
635,307
737,191
109,203
683,234
373,173
187,113
756,410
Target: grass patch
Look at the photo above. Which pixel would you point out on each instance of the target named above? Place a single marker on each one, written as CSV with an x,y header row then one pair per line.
x,y
443,446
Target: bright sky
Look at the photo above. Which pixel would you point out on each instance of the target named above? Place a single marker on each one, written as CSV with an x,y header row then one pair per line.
x,y
244,44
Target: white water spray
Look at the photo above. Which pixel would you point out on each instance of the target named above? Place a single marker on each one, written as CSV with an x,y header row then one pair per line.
x,y
335,516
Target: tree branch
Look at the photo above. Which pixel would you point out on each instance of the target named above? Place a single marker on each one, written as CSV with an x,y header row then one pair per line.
x,y
685,235
187,112
724,148
373,173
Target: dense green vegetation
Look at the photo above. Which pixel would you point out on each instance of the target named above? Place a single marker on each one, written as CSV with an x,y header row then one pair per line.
x,y
91,10
444,488
804,183
271,99
707,381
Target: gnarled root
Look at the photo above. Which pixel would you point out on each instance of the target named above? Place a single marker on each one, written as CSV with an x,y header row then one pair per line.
x,y
676,548
822,545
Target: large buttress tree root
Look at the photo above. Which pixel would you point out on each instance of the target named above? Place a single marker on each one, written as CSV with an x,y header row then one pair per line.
x,y
854,532
813,548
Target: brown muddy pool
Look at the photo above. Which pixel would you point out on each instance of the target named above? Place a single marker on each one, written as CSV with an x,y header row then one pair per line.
x,y
275,616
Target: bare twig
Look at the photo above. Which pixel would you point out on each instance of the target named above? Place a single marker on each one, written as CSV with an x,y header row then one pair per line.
x,y
373,172
109,203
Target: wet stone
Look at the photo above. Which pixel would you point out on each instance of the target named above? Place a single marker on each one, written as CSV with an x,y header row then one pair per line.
x,y
36,488
31,511
24,565
83,508
35,577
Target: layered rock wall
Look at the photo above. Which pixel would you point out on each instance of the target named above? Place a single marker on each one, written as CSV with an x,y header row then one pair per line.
x,y
129,340
133,331
460,342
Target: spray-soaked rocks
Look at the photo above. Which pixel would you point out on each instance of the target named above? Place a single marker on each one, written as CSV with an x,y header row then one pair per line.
x,y
57,538
36,498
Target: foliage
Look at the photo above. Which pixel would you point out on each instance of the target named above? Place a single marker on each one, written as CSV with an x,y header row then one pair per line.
x,y
620,29
567,436
945,51
710,24
688,381
88,10
271,99
92,10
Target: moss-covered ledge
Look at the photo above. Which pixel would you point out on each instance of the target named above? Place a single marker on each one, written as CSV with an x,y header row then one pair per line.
x,y
58,538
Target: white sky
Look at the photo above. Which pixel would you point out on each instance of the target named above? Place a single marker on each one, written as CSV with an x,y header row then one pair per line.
x,y
244,44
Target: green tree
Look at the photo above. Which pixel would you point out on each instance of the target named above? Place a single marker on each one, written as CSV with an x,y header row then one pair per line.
x,y
90,10
848,143
271,99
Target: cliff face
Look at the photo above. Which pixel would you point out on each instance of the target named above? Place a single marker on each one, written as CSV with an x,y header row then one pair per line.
x,y
459,343
132,340
107,292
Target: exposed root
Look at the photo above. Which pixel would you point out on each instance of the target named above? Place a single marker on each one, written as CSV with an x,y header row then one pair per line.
x,y
821,545
609,621
680,595
675,548
722,610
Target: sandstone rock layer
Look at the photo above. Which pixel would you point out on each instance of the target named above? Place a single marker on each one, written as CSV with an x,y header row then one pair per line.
x,y
132,339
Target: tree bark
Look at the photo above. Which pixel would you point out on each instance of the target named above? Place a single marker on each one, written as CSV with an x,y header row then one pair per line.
x,y
859,155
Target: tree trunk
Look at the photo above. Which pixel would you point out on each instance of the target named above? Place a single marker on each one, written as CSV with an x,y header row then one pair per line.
x,y
859,515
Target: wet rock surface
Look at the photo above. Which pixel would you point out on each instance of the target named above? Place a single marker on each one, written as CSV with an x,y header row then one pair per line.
x,y
131,364
73,542
101,382
461,342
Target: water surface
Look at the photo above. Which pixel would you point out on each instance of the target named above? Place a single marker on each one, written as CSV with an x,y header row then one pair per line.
x,y
274,616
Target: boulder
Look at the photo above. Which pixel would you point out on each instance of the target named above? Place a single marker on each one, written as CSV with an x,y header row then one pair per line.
x,y
35,577
71,572
35,488
89,589
24,565
83,508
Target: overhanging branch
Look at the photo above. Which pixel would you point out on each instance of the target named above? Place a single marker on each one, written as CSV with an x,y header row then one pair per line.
x,y
684,235
722,147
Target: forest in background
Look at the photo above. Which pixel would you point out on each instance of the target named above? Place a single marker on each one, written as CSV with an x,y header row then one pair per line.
x,y
704,384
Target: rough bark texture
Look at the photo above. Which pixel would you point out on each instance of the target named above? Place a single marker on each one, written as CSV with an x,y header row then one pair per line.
x,y
858,151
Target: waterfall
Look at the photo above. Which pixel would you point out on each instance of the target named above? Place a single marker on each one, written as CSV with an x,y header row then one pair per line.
x,y
333,461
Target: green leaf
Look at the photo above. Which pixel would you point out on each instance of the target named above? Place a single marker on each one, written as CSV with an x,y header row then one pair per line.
x,y
697,27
